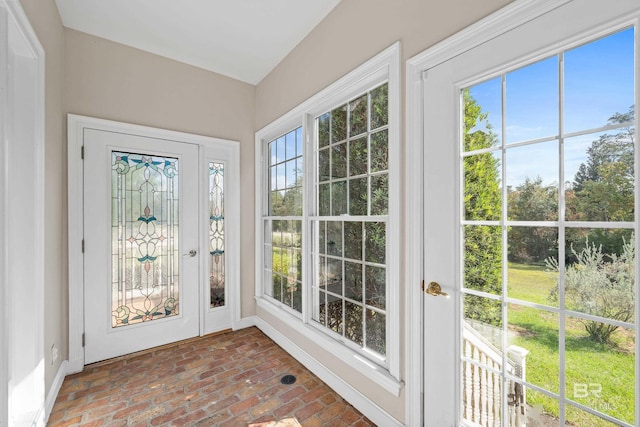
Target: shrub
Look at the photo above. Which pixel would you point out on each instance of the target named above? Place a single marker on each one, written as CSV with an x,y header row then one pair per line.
x,y
600,287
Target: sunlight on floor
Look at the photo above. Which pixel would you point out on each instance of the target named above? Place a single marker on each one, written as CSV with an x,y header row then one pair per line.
x,y
286,422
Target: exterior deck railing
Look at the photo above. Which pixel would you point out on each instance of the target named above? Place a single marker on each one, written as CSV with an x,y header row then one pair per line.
x,y
482,381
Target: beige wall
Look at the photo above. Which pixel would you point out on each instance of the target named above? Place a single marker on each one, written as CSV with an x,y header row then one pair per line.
x,y
45,20
111,81
355,31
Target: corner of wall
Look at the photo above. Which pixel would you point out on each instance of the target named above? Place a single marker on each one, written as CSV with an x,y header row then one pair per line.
x,y
46,22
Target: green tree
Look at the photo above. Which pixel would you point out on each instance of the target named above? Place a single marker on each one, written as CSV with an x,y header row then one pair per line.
x,y
482,201
608,149
287,202
603,187
532,201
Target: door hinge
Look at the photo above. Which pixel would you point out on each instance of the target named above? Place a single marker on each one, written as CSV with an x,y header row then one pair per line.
x,y
82,152
83,252
83,339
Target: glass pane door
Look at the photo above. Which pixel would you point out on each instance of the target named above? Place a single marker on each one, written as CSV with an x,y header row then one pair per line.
x,y
548,241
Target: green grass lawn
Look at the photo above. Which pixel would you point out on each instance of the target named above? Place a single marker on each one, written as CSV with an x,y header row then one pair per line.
x,y
603,374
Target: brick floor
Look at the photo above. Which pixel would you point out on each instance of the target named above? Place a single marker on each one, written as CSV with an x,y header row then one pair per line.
x,y
229,379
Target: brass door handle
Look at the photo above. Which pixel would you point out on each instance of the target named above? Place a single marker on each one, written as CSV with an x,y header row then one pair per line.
x,y
436,290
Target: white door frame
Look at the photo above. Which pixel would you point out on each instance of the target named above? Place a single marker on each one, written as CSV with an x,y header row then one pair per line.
x,y
20,38
75,128
500,22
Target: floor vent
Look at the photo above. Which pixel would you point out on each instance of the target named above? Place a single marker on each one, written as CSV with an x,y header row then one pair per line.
x,y
288,379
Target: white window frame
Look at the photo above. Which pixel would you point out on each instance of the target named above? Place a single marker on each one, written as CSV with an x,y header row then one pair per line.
x,y
262,205
384,67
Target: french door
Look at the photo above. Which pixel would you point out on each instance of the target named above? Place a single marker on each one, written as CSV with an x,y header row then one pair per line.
x,y
530,201
141,243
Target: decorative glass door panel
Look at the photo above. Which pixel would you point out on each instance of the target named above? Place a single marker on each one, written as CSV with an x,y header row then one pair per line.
x,y
145,235
220,215
141,241
216,235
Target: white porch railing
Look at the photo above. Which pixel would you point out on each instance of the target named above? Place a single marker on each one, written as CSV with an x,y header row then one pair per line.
x,y
481,381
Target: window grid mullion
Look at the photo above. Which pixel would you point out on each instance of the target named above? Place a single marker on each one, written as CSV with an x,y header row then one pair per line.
x,y
504,272
363,316
347,173
561,247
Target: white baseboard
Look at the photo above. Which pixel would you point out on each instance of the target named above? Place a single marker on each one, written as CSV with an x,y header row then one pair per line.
x,y
75,366
371,410
38,419
245,322
52,395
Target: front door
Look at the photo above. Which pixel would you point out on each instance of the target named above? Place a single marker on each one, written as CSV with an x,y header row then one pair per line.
x,y
141,242
530,218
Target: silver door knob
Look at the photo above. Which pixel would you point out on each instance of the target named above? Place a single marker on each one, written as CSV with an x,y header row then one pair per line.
x,y
192,253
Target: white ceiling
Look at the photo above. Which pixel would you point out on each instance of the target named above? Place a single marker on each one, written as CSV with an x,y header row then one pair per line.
x,y
242,39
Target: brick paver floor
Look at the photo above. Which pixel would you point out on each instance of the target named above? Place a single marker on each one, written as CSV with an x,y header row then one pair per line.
x,y
229,379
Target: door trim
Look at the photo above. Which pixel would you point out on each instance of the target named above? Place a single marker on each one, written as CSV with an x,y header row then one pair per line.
x,y
75,129
12,11
500,22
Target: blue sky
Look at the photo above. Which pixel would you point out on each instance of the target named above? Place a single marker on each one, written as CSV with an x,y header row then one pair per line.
x,y
287,147
598,82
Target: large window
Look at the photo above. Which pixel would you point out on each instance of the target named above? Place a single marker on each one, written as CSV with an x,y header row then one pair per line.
x,y
350,283
283,223
326,239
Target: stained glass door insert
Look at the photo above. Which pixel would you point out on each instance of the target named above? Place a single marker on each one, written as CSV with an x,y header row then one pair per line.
x,y
216,235
145,230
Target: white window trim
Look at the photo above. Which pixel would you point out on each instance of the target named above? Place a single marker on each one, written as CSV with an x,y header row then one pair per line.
x,y
280,128
504,20
383,67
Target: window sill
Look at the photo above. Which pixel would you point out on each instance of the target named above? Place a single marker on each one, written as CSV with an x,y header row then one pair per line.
x,y
354,360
